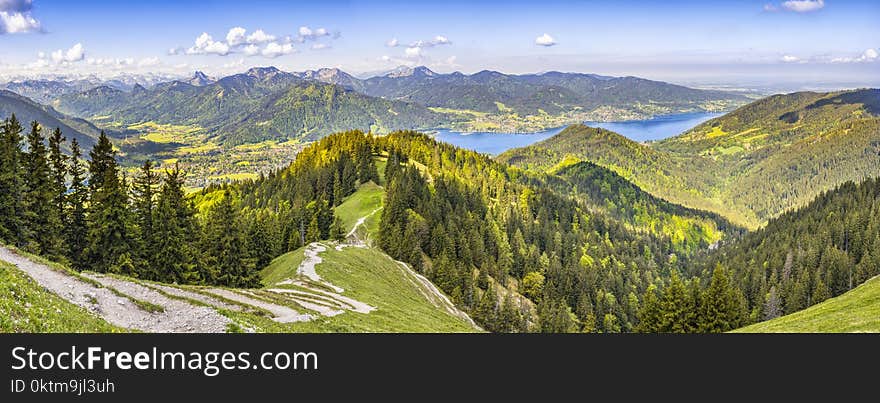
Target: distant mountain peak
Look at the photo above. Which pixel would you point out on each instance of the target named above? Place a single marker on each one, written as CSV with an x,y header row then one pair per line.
x,y
263,72
406,71
200,79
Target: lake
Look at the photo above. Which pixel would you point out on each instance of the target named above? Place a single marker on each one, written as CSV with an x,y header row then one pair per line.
x,y
660,127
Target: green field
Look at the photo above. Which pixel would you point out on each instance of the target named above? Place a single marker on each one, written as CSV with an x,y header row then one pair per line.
x,y
855,311
25,307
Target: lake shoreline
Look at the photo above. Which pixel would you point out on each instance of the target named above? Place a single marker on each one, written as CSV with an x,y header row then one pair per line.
x,y
643,131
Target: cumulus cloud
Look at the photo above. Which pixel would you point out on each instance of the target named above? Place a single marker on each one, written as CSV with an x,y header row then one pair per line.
x,y
259,36
308,34
790,59
76,53
274,49
392,43
803,6
16,18
251,50
259,42
545,40
413,52
205,44
235,36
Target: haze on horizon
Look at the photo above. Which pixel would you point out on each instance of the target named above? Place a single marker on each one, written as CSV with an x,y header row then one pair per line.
x,y
793,44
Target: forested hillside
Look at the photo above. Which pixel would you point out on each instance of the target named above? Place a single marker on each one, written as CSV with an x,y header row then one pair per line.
x,y
806,256
749,165
28,111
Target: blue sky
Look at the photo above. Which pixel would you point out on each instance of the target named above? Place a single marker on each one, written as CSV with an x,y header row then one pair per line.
x,y
807,41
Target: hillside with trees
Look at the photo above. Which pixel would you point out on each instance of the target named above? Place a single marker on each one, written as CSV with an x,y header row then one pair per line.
x,y
792,147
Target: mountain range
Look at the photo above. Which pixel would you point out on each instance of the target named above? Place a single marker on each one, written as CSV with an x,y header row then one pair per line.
x,y
267,103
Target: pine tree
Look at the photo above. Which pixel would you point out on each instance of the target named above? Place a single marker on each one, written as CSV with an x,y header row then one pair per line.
x,y
174,233
58,167
144,203
719,306
556,316
337,232
263,239
75,223
42,220
225,247
109,220
12,209
102,158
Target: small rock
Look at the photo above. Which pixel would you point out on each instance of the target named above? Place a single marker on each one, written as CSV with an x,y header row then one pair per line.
x,y
120,302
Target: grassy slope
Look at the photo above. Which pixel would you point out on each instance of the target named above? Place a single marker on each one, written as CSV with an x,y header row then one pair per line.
x,y
25,307
369,276
855,311
364,201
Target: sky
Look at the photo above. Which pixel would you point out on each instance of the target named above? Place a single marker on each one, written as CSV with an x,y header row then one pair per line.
x,y
809,42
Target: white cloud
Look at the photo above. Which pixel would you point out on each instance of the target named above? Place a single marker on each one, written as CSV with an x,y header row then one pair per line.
x,y
16,18
438,40
251,50
868,56
320,46
413,52
441,40
175,51
770,7
392,43
260,37
803,6
306,33
149,61
205,44
74,54
274,49
545,40
235,36
790,59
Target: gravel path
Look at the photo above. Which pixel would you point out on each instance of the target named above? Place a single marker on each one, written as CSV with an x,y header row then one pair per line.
x,y
215,302
120,311
179,316
307,267
282,313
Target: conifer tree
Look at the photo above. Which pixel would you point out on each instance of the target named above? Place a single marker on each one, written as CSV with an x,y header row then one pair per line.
x,y
76,226
719,306
225,248
109,220
144,203
42,220
12,209
58,167
174,233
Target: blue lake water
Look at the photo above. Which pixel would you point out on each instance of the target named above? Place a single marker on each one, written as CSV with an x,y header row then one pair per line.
x,y
658,128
